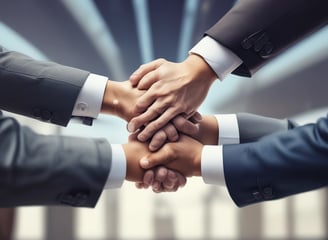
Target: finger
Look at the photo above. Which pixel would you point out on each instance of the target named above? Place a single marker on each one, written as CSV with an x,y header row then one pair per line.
x,y
148,178
171,182
184,125
145,112
161,157
196,117
148,80
157,187
133,136
157,140
161,174
154,125
182,180
137,75
171,132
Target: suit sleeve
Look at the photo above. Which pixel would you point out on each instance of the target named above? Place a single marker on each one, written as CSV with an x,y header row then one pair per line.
x,y
257,30
50,170
43,90
252,127
278,165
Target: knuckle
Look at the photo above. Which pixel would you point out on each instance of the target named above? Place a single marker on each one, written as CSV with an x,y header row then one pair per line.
x,y
142,67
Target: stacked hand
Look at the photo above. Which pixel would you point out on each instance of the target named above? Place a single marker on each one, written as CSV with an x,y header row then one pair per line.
x,y
160,103
172,89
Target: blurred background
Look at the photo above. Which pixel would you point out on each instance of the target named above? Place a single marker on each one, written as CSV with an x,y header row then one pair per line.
x,y
112,38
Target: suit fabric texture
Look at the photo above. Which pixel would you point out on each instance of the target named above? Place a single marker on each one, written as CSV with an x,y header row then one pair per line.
x,y
257,30
268,165
46,170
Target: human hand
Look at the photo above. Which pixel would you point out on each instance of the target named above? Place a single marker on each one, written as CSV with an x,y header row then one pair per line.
x,y
161,179
183,156
170,131
120,99
173,88
206,132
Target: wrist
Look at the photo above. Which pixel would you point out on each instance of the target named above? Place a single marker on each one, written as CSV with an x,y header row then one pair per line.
x,y
201,68
134,172
113,101
208,130
110,102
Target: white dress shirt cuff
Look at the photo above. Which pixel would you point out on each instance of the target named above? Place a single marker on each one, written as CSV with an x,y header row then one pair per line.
x,y
221,59
212,165
117,171
228,129
89,101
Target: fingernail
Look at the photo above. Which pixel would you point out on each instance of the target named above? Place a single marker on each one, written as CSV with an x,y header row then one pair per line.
x,y
142,137
135,73
198,117
131,127
132,76
144,162
153,147
156,186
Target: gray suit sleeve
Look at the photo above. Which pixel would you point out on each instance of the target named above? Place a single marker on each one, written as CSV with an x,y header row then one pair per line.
x,y
43,90
257,30
252,127
50,170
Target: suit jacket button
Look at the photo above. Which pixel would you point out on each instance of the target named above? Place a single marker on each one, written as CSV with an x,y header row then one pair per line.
x,y
246,44
67,199
266,50
46,115
257,195
81,198
260,42
37,112
267,193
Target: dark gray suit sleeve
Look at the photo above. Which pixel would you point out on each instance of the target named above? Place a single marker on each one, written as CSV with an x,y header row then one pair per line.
x,y
278,165
43,90
257,30
50,170
253,127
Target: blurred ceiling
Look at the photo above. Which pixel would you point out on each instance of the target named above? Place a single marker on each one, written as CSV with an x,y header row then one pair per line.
x,y
111,37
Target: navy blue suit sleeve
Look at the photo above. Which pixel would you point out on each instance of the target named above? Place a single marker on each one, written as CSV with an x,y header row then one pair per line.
x,y
278,165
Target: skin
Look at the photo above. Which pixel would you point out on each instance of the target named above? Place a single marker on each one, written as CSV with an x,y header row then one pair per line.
x,y
182,156
119,100
160,178
172,89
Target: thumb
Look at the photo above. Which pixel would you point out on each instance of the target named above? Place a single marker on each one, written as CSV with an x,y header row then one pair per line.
x,y
152,160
